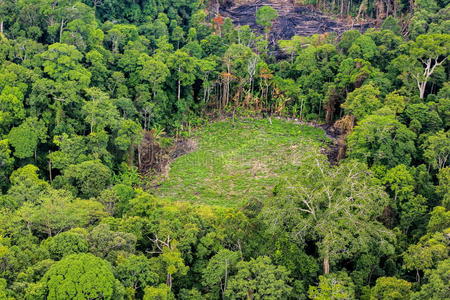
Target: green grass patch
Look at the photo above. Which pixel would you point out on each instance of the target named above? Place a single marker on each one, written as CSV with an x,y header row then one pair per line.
x,y
239,160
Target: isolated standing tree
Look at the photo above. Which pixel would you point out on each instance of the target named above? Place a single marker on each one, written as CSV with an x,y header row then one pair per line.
x,y
337,208
265,16
432,50
427,53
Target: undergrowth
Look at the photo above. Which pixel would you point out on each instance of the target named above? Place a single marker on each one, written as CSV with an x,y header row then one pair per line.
x,y
239,160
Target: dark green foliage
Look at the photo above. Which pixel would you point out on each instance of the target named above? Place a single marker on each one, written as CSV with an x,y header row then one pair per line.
x,y
382,140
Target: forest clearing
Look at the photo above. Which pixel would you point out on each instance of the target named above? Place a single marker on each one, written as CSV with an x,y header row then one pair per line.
x,y
240,160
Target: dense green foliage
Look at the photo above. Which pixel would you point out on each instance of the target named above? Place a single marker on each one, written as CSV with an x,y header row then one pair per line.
x,y
96,96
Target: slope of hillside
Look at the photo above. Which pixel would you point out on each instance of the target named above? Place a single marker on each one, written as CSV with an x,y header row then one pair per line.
x,y
293,19
238,161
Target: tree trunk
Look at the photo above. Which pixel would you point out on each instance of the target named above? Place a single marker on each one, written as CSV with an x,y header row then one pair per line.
x,y
422,86
139,157
250,295
179,90
131,155
61,29
50,169
169,280
326,264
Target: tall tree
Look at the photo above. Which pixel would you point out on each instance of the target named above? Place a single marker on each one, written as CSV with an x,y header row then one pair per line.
x,y
265,15
78,276
259,279
426,54
337,208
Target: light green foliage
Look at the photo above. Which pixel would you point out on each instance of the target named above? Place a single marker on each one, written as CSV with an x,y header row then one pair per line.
x,y
237,160
28,277
265,15
172,263
26,137
72,150
184,67
66,243
129,135
444,111
57,211
424,115
78,276
161,292
395,102
364,47
400,181
100,111
82,81
425,255
437,149
135,272
192,294
259,279
11,106
401,185
26,186
104,242
382,140
153,71
336,207
4,293
436,287
117,197
439,220
363,101
219,268
426,54
338,286
391,288
62,63
120,34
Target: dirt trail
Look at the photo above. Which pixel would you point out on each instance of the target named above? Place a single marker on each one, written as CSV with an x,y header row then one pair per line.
x,y
293,19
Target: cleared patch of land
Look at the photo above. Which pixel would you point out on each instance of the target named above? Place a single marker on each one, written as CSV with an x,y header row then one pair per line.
x,y
239,160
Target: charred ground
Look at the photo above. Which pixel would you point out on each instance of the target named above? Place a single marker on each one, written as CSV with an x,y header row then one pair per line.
x,y
293,19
